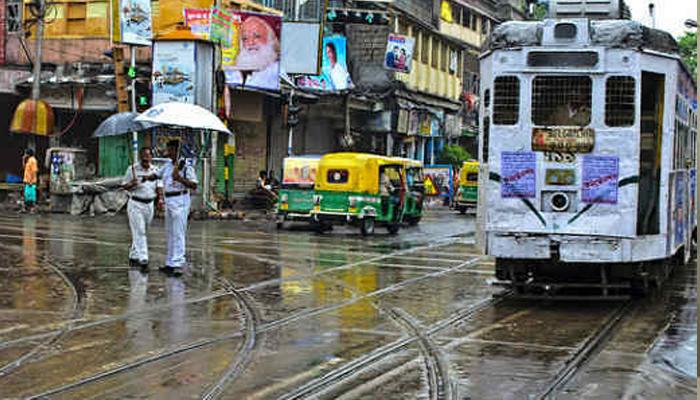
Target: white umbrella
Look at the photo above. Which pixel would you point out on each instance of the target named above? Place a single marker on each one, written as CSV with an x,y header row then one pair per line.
x,y
183,114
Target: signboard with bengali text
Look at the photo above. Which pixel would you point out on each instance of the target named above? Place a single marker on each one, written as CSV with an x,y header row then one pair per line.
x,y
563,139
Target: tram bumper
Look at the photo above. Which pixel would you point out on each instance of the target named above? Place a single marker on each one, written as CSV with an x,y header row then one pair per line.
x,y
570,249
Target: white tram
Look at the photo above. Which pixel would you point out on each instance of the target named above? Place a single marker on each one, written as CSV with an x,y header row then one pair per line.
x,y
588,147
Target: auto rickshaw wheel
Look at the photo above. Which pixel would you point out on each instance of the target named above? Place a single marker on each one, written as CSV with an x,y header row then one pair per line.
x,y
393,228
367,226
413,221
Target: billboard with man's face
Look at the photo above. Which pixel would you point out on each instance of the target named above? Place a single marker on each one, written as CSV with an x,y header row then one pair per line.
x,y
253,60
334,68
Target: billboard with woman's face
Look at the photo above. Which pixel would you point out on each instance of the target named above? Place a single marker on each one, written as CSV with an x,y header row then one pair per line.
x,y
334,68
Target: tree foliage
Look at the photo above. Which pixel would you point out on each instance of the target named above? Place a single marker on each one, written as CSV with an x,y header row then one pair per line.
x,y
454,155
687,45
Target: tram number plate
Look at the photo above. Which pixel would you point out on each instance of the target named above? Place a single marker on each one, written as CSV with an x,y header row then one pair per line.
x,y
563,139
560,157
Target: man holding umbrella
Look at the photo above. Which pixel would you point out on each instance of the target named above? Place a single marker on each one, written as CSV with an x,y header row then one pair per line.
x,y
143,193
178,179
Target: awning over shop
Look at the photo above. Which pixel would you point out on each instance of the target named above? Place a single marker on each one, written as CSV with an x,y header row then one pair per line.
x,y
33,117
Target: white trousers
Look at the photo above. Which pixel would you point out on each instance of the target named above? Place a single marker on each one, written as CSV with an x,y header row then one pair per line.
x,y
177,208
140,217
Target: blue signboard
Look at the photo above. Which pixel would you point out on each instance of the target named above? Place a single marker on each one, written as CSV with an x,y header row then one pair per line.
x,y
599,179
518,174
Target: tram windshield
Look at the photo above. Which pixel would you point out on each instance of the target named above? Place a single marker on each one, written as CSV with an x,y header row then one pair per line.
x,y
561,100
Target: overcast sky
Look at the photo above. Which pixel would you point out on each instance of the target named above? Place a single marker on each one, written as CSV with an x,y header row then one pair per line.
x,y
670,14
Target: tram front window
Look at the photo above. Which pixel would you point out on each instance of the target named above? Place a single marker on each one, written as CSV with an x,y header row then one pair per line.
x,y
561,100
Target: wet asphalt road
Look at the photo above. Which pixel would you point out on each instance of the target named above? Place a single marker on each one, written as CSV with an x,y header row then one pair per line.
x,y
262,314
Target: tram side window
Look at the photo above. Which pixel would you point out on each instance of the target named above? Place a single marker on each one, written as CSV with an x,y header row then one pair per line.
x,y
561,100
619,101
506,100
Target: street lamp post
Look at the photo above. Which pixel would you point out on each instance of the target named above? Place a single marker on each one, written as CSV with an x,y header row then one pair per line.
x,y
36,70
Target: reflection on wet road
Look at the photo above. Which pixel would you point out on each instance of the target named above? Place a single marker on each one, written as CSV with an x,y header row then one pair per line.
x,y
265,314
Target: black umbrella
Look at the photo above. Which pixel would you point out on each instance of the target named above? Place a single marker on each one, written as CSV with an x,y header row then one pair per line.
x,y
121,123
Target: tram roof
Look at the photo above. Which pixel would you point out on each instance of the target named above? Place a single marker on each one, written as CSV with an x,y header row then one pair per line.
x,y
607,33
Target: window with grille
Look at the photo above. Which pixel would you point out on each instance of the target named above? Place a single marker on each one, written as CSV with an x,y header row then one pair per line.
x,y
487,98
484,25
561,100
619,101
466,17
14,16
506,100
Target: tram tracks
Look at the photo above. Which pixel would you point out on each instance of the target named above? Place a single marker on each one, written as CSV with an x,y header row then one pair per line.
x,y
253,319
249,333
76,312
585,352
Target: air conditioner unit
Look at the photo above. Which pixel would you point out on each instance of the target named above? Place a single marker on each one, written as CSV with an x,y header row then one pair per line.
x,y
592,9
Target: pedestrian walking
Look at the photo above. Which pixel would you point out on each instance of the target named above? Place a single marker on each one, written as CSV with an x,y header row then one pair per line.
x,y
143,193
31,173
178,179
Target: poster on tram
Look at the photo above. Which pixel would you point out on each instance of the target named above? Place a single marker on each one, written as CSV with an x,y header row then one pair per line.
x,y
599,179
518,174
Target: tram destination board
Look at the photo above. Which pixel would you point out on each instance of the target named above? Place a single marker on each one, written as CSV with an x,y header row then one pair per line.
x,y
569,139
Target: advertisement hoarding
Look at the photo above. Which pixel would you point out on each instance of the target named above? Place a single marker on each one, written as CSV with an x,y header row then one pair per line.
x,y
198,20
253,58
135,22
173,77
300,46
334,70
399,53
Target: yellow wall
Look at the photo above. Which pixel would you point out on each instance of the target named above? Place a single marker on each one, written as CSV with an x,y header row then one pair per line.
x,y
424,77
454,28
67,19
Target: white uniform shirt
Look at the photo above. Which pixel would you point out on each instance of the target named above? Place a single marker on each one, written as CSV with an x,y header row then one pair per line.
x,y
143,190
169,185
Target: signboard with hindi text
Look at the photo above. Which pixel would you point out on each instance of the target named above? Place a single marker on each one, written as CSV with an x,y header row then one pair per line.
x,y
565,139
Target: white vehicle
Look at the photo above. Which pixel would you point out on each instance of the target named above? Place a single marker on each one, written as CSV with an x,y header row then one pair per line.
x,y
587,147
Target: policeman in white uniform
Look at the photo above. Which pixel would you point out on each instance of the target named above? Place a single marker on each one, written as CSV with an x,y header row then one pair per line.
x,y
178,180
143,194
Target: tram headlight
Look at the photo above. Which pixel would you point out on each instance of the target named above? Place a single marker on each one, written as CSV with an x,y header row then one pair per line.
x,y
559,201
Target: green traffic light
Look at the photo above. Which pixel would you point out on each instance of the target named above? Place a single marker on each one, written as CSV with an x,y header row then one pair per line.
x,y
332,15
369,18
132,72
143,101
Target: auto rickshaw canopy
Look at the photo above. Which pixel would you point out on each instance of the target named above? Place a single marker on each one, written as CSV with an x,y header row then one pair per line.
x,y
352,172
468,167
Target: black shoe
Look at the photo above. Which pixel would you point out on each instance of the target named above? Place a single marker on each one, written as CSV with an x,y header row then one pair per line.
x,y
177,272
166,269
144,267
134,263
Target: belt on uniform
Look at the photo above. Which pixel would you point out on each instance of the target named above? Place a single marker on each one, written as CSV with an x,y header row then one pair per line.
x,y
140,200
173,194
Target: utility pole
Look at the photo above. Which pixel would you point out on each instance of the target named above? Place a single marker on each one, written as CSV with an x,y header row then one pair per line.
x,y
134,135
36,73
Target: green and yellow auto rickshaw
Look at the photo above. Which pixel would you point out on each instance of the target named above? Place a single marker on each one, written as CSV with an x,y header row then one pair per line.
x,y
297,190
360,189
467,195
413,175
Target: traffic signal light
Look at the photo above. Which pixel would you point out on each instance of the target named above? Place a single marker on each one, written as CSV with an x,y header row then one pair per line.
x,y
293,115
355,16
142,84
